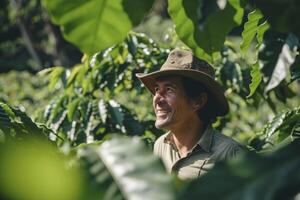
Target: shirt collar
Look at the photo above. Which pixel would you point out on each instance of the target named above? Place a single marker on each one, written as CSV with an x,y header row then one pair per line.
x,y
205,142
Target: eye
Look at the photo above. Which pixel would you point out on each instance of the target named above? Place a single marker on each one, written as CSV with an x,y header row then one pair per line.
x,y
170,89
156,89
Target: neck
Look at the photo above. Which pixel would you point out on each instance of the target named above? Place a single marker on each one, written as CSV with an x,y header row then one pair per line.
x,y
187,134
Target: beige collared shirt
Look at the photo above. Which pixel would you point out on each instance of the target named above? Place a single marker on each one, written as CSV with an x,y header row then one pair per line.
x,y
211,147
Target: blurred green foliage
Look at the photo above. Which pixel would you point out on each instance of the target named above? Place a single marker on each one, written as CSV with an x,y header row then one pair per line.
x,y
29,41
32,169
27,91
85,109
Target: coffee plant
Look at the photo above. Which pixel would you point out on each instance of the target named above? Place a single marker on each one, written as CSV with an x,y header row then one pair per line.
x,y
95,135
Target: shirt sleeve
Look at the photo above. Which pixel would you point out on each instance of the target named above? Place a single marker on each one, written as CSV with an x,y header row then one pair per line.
x,y
234,150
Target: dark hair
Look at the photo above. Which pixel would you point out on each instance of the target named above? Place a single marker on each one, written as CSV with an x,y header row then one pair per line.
x,y
192,90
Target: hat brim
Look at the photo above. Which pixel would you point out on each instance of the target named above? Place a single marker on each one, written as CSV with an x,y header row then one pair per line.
x,y
212,86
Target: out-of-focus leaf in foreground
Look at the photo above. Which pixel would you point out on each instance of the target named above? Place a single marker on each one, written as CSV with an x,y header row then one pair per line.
x,y
123,168
33,170
273,176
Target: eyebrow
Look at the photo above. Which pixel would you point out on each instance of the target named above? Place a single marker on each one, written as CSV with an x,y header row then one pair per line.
x,y
167,84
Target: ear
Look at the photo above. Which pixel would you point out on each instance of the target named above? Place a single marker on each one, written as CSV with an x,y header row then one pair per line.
x,y
200,101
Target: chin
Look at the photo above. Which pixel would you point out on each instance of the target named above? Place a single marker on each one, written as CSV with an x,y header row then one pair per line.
x,y
162,124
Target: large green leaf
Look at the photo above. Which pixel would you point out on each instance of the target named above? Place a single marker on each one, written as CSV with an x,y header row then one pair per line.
x,y
17,124
94,25
123,168
262,28
253,176
253,28
285,60
250,30
35,170
207,42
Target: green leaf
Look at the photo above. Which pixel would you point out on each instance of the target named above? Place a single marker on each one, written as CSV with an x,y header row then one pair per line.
x,y
250,30
18,124
231,75
27,123
253,176
256,78
94,25
73,74
287,118
262,28
55,75
205,43
45,71
86,84
123,168
102,110
8,110
32,170
116,114
278,131
4,117
72,108
57,107
285,60
185,18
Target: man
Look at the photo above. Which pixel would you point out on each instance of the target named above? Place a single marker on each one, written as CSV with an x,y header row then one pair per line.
x,y
186,101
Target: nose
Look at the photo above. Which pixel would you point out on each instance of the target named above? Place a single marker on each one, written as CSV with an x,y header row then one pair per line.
x,y
158,96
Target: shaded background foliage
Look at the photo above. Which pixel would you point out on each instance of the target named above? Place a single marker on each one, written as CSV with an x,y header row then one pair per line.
x,y
85,99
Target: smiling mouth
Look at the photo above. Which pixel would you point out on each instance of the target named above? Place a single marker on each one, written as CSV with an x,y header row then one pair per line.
x,y
161,113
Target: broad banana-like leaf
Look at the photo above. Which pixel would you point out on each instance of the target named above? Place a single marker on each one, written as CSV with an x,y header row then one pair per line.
x,y
253,176
207,42
94,25
123,168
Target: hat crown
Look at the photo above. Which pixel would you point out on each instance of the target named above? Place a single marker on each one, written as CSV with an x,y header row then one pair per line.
x,y
182,59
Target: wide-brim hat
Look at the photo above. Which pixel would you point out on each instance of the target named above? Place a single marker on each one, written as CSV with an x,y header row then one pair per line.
x,y
184,63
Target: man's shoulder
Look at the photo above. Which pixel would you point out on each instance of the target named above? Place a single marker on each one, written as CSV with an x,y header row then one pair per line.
x,y
225,147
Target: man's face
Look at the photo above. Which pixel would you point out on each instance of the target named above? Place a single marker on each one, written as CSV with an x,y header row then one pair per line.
x,y
172,108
